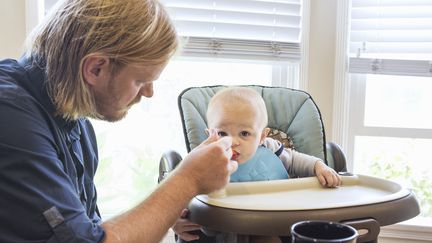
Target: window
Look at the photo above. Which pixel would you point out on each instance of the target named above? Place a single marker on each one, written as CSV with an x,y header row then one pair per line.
x,y
390,123
130,149
221,47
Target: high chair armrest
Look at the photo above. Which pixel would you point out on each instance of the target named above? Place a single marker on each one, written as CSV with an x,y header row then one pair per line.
x,y
336,157
168,162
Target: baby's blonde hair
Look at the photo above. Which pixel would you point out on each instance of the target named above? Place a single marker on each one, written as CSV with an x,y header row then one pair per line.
x,y
239,95
127,32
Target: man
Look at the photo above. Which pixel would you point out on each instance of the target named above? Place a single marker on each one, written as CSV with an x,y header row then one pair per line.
x,y
89,58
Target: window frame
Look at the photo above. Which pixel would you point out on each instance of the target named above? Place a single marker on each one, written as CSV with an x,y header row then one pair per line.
x,y
357,116
349,96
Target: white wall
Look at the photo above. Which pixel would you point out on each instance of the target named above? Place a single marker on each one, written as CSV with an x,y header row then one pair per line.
x,y
12,28
321,58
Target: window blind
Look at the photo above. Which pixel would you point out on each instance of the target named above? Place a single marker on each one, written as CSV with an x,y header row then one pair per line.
x,y
391,37
257,29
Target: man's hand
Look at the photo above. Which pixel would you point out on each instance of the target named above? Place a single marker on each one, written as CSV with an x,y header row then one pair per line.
x,y
208,166
326,175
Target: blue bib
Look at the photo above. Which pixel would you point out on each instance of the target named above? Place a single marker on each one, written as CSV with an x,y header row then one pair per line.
x,y
263,166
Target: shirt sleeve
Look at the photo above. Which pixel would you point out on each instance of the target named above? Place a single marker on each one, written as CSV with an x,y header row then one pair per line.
x,y
39,200
297,164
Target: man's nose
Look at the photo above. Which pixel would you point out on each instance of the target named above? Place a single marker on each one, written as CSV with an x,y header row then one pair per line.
x,y
147,90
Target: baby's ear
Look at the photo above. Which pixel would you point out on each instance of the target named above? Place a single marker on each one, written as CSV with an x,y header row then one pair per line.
x,y
267,131
264,134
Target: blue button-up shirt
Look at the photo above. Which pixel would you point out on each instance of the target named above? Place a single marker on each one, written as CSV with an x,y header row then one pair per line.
x,y
47,164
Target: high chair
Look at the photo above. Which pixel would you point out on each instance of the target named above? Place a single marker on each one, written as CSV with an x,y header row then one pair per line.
x,y
364,202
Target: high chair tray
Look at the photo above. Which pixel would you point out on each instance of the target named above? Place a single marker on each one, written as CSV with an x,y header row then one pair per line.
x,y
271,207
306,194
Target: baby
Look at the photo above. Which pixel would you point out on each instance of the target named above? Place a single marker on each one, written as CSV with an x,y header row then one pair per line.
x,y
240,113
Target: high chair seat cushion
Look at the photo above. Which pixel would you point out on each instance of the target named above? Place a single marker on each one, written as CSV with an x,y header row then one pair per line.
x,y
291,111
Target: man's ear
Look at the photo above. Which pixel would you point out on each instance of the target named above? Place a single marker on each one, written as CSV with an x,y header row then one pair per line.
x,y
96,69
264,134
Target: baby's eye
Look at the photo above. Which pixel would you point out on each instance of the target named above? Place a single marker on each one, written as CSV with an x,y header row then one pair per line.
x,y
222,134
244,133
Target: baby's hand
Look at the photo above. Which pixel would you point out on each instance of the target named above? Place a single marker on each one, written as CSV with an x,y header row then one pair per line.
x,y
326,175
183,227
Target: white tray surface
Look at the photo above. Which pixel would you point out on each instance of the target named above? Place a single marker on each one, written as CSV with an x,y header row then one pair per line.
x,y
306,194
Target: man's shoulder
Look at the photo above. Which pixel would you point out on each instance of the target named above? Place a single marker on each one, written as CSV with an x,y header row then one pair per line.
x,y
11,92
12,95
11,73
10,70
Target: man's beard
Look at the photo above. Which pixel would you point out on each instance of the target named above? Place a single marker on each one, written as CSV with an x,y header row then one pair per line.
x,y
110,99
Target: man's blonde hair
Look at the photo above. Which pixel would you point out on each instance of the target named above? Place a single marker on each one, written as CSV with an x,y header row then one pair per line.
x,y
126,31
239,95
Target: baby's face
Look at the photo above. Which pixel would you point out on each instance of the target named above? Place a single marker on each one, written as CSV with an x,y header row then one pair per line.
x,y
243,124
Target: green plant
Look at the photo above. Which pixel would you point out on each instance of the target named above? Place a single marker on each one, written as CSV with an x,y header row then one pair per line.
x,y
401,169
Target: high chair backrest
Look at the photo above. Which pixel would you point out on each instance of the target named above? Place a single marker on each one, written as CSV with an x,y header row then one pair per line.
x,y
291,112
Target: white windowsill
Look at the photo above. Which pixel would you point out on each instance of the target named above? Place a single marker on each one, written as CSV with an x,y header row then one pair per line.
x,y
416,229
